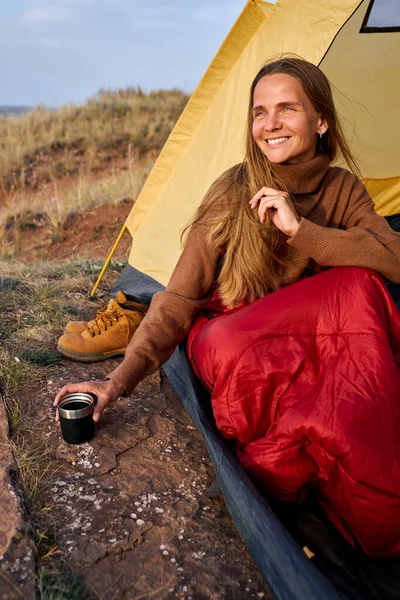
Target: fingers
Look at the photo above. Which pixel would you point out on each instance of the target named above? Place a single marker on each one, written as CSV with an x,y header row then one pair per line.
x,y
267,192
68,389
276,205
270,206
104,391
98,410
71,387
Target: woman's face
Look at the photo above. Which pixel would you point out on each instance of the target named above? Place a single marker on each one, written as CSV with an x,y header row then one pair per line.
x,y
285,123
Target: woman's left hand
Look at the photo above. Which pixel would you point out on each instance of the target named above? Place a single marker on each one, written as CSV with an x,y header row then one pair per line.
x,y
279,207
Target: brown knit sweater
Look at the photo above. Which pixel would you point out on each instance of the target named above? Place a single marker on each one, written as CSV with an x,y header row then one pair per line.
x,y
338,227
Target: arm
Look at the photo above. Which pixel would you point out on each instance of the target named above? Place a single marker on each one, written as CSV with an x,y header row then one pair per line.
x,y
166,324
171,312
366,239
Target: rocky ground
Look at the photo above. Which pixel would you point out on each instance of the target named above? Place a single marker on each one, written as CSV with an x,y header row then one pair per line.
x,y
133,514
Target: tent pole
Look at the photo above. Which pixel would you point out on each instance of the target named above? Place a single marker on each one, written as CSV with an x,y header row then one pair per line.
x,y
109,257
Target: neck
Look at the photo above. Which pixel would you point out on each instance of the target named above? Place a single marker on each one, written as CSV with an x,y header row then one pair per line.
x,y
302,178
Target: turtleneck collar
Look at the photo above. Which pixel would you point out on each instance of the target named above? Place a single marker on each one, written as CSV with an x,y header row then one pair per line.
x,y
303,178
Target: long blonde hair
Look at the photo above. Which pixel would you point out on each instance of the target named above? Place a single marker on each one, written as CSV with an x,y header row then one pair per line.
x,y
254,254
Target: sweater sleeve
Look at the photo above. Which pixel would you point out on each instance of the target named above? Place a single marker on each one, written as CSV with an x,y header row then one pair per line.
x,y
365,239
171,312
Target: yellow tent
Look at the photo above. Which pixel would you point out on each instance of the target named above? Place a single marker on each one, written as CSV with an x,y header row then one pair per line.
x,y
362,62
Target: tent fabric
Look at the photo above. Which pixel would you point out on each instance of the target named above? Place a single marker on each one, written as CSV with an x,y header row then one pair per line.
x,y
209,136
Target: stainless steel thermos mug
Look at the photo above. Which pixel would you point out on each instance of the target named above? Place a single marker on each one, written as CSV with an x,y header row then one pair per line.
x,y
76,417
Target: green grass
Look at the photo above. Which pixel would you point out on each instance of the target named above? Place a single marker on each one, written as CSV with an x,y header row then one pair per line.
x,y
43,358
60,586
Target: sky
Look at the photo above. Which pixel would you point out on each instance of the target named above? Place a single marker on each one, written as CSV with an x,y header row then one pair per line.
x,y
54,52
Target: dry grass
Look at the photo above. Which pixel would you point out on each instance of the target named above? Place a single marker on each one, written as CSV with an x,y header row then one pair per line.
x,y
127,117
77,158
60,199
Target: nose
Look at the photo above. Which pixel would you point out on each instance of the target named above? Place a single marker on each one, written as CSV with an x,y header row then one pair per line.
x,y
272,122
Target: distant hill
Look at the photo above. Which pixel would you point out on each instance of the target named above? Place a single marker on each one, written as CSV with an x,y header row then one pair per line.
x,y
14,110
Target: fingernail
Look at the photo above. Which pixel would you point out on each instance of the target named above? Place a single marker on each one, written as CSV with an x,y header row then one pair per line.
x,y
96,417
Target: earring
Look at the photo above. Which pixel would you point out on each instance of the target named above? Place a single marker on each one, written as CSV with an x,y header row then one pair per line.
x,y
320,136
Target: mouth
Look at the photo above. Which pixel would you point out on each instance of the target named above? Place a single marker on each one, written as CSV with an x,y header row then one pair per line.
x,y
277,141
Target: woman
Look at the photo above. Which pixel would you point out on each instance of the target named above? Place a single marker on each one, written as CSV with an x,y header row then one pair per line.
x,y
278,218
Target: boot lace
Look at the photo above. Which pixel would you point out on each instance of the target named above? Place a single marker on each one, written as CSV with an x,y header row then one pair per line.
x,y
103,320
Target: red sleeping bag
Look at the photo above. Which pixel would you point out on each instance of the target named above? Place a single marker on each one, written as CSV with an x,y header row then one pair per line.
x,y
307,383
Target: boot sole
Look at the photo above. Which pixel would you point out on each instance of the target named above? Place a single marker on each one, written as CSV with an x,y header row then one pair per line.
x,y
89,356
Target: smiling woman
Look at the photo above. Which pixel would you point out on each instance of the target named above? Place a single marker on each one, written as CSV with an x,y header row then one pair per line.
x,y
303,371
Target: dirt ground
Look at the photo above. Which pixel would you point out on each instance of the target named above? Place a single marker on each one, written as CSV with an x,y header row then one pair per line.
x,y
89,234
134,511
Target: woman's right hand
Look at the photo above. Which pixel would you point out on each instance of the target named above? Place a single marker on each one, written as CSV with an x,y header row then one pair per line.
x,y
106,392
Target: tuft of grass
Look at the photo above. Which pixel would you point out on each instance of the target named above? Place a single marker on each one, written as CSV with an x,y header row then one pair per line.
x,y
8,283
14,372
70,310
44,358
45,545
60,586
33,464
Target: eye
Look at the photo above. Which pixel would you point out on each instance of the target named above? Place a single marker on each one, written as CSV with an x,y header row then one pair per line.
x,y
288,108
259,115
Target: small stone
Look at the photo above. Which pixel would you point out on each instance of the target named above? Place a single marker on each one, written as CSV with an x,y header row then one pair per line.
x,y
133,516
165,552
162,547
140,522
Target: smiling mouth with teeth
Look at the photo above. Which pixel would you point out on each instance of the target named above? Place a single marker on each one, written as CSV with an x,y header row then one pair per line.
x,y
272,142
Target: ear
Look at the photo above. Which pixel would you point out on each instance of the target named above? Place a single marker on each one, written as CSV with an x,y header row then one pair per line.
x,y
322,125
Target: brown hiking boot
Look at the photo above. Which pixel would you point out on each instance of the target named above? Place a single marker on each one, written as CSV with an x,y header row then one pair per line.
x,y
80,326
107,335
